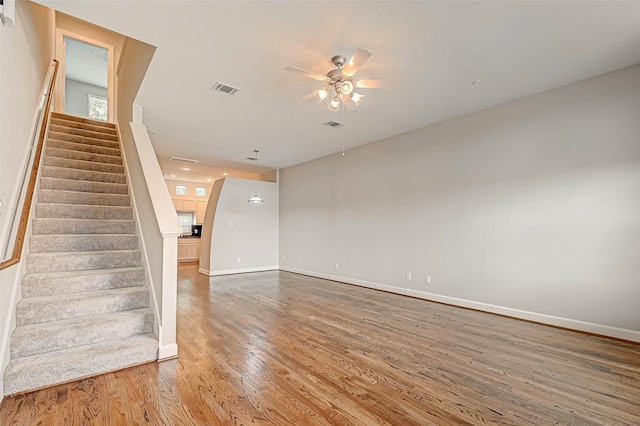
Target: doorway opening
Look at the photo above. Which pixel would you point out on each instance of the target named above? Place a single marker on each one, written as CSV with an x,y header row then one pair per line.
x,y
86,80
86,85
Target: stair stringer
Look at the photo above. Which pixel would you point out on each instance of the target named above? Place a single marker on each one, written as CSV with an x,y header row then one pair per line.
x,y
149,281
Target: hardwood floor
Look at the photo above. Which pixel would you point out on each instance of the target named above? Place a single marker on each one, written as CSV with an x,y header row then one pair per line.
x,y
280,348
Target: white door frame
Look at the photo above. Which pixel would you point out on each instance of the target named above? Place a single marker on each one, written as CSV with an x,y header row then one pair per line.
x,y
61,55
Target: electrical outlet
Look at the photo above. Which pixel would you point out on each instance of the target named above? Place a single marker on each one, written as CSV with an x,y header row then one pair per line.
x,y
427,279
283,258
231,224
239,260
336,266
408,276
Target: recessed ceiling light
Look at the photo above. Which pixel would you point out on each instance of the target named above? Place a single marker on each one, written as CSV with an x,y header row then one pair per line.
x,y
476,82
173,175
208,179
186,169
225,174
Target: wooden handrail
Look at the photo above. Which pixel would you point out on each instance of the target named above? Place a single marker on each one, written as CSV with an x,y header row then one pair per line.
x,y
26,206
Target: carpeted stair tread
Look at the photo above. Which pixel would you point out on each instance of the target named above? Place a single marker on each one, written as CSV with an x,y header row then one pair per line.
x,y
77,119
82,132
82,242
81,260
83,186
38,371
42,309
39,338
76,146
58,136
85,126
83,165
83,155
85,302
51,283
82,211
76,197
86,175
83,226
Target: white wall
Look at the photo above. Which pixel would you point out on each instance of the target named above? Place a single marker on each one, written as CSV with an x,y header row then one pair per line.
x,y
77,97
25,53
530,209
242,230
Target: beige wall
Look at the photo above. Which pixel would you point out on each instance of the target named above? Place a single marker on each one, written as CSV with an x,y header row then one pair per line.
x,y
25,53
530,208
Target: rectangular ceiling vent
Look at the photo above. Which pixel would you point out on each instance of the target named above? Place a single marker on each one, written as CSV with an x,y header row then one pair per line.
x,y
224,88
333,124
184,160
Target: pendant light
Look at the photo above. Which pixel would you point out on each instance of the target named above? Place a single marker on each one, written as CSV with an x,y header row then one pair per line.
x,y
255,199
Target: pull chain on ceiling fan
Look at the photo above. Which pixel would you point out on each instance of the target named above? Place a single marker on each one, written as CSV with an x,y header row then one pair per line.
x,y
340,82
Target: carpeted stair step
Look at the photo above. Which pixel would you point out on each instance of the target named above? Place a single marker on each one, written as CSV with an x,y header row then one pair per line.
x,y
84,126
81,260
52,283
59,335
76,119
37,371
83,226
35,310
81,211
82,132
83,186
82,242
76,174
83,165
87,198
76,146
84,156
82,139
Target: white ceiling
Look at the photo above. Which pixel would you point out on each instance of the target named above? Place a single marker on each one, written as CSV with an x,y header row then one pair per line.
x,y
429,53
86,63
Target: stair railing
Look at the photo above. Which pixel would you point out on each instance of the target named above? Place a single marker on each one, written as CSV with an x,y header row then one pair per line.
x,y
38,135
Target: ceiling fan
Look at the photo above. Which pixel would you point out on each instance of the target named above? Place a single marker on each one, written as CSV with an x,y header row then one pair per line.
x,y
340,81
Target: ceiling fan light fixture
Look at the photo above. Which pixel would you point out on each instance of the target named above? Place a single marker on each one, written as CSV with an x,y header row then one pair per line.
x,y
321,94
356,98
346,87
334,105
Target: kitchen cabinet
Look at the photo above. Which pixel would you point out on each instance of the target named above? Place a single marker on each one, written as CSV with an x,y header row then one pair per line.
x,y
188,249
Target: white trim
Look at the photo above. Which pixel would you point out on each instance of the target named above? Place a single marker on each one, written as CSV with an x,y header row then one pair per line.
x,y
167,351
238,271
604,330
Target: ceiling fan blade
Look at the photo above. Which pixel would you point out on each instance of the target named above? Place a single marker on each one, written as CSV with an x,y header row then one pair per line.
x,y
310,74
308,96
371,84
360,57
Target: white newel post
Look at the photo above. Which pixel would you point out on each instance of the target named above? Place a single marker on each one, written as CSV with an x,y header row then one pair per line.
x,y
168,346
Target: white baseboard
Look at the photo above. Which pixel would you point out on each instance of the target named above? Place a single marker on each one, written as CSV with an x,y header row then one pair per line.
x,y
238,271
604,330
167,351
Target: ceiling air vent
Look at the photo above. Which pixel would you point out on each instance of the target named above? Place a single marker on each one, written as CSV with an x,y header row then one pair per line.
x,y
184,160
224,88
333,124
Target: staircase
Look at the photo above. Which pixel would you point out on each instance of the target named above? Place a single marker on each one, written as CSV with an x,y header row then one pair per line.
x,y
85,307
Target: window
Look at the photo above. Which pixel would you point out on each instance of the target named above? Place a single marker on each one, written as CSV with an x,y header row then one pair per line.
x,y
181,189
201,191
186,219
98,107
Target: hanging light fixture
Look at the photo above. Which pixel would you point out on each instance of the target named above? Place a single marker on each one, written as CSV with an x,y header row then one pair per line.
x,y
255,199
334,105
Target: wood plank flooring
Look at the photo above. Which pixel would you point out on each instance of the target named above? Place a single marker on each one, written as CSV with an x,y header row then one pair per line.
x,y
279,348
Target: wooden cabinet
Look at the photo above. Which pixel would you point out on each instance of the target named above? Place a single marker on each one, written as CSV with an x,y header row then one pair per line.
x,y
187,205
188,249
184,205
